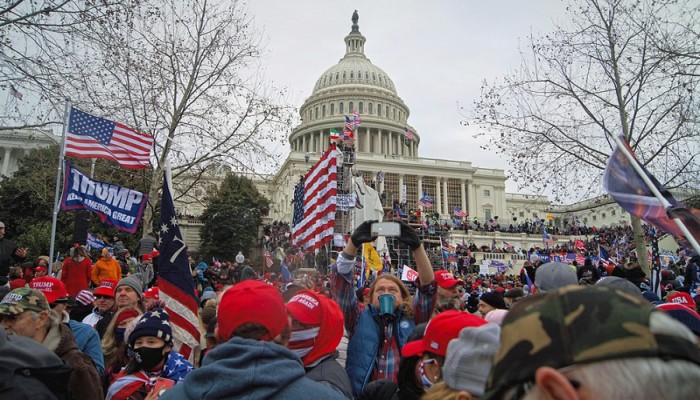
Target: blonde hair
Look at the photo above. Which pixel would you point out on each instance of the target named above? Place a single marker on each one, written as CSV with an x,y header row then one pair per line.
x,y
110,346
440,391
406,305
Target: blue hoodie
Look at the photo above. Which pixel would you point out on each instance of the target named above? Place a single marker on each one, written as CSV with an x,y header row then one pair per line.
x,y
252,370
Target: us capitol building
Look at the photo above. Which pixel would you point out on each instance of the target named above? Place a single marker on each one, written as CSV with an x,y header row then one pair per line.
x,y
355,84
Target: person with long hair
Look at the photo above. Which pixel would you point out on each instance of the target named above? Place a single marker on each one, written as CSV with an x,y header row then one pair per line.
x,y
114,345
151,359
379,331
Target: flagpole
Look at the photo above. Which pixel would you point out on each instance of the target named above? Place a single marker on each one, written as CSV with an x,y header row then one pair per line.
x,y
59,173
657,194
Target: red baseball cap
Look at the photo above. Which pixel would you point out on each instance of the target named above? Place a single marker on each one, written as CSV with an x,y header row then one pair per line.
x,y
305,308
146,257
153,293
40,269
53,288
440,330
252,301
446,280
683,299
17,283
106,288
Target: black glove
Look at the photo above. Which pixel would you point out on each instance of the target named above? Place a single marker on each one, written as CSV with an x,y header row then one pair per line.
x,y
363,233
409,236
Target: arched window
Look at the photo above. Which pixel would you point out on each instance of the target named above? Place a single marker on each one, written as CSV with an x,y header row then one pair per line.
x,y
332,108
337,76
379,110
350,108
374,77
341,108
343,75
369,108
362,110
323,111
351,75
366,75
387,111
394,112
316,112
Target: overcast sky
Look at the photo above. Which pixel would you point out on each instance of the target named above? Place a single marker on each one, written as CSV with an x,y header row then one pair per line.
x,y
437,53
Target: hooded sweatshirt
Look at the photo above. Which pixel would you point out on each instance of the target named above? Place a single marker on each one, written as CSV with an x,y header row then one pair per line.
x,y
241,369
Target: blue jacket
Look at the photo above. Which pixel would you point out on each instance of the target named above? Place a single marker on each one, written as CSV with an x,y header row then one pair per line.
x,y
364,345
88,341
252,370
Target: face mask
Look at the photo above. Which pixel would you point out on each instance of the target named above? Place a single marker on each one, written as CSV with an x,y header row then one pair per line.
x,y
119,332
423,378
148,358
301,342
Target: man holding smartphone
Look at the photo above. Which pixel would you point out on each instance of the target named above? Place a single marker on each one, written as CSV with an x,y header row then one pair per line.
x,y
379,331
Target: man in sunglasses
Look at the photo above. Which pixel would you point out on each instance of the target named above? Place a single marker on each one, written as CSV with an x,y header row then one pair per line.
x,y
105,303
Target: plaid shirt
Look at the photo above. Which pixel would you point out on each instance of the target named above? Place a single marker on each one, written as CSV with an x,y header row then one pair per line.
x,y
389,355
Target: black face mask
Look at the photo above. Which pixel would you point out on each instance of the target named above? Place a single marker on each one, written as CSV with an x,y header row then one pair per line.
x,y
148,358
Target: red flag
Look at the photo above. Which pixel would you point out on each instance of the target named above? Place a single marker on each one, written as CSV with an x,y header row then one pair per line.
x,y
268,259
92,137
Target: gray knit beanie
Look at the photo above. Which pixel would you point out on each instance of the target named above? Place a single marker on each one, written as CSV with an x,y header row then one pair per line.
x,y
132,282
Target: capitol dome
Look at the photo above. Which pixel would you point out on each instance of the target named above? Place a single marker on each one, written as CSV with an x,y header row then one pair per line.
x,y
354,84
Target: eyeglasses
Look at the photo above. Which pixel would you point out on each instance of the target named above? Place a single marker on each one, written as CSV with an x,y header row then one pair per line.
x,y
102,297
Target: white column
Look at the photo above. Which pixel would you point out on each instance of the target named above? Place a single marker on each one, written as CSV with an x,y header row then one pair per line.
x,y
367,140
320,141
472,200
446,204
438,197
303,144
463,193
6,161
401,199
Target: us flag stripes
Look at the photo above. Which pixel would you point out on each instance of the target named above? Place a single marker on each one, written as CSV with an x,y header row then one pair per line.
x,y
314,203
93,137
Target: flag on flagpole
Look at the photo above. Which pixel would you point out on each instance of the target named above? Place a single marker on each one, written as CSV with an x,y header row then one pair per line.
x,y
314,203
175,279
268,259
15,93
426,201
408,134
371,256
89,136
356,119
335,135
459,212
546,237
348,124
627,186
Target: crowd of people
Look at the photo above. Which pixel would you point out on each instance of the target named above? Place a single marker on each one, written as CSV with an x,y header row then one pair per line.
x,y
100,330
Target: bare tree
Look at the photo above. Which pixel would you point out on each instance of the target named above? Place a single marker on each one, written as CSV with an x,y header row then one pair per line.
x,y
599,74
32,35
187,72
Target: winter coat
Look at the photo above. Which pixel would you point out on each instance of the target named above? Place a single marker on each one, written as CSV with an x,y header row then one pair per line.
x,y
106,268
76,275
252,370
145,245
84,382
7,255
328,370
137,385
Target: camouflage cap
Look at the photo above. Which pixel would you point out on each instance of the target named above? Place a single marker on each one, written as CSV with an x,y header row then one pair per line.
x,y
582,324
23,299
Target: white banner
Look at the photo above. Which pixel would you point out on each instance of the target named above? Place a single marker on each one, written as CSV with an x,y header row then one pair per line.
x,y
344,202
409,274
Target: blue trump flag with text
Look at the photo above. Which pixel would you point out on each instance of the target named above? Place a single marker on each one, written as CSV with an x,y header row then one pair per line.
x,y
115,205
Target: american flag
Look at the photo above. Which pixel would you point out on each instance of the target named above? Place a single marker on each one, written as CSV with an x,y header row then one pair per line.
x,y
459,212
314,203
268,259
93,137
348,124
409,134
175,279
426,201
356,119
546,237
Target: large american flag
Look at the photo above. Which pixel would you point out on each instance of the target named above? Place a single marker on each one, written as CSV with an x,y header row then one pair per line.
x,y
314,203
175,279
93,137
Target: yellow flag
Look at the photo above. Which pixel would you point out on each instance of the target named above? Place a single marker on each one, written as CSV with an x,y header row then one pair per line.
x,y
371,257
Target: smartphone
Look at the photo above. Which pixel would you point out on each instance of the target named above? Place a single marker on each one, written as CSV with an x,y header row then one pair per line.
x,y
386,229
162,384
